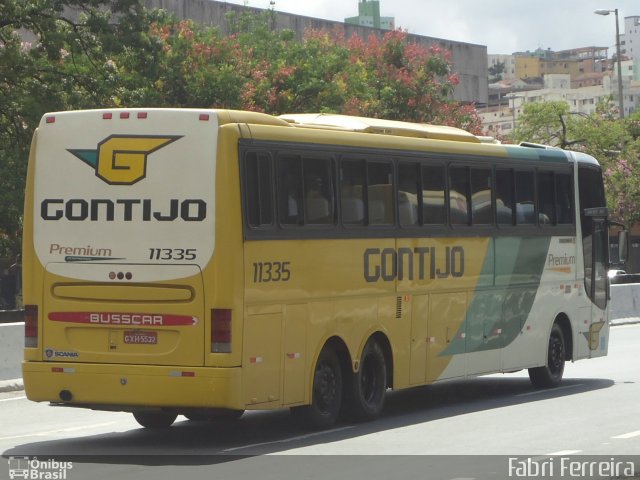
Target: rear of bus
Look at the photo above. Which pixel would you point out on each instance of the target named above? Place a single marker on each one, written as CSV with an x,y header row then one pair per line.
x,y
119,244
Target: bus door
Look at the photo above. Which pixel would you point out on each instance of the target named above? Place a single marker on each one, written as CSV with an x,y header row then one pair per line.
x,y
596,255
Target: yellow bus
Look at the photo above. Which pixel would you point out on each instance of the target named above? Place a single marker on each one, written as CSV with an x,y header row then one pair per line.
x,y
207,262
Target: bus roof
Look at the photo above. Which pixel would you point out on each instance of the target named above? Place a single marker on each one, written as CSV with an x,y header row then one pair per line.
x,y
374,125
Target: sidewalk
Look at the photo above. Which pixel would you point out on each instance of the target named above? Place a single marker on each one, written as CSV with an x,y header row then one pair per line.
x,y
11,385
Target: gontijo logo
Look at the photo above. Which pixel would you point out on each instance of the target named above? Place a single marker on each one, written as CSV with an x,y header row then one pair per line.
x,y
122,159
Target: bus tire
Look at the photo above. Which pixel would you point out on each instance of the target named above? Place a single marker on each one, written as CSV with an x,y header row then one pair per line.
x,y
155,419
326,399
550,375
369,384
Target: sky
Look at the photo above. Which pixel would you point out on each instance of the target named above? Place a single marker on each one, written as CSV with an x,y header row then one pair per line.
x,y
504,26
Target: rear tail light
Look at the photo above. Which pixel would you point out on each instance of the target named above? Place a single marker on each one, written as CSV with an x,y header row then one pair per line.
x,y
31,326
221,330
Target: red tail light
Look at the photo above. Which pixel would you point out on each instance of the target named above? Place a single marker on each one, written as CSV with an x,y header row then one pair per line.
x,y
221,330
30,326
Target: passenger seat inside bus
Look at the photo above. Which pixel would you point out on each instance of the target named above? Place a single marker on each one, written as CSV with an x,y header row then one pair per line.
x,y
352,210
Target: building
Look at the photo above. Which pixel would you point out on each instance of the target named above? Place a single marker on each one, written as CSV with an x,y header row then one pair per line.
x,y
630,38
501,118
369,16
575,62
509,70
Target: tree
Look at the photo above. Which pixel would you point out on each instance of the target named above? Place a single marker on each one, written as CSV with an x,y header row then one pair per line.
x,y
496,71
614,142
51,61
149,59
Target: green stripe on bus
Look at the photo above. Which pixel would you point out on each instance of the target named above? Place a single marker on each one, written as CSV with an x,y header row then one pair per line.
x,y
504,295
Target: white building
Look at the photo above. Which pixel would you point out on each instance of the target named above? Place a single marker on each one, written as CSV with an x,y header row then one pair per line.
x,y
557,87
509,61
630,38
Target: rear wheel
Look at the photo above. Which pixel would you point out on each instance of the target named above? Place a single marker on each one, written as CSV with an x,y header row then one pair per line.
x,y
551,374
155,419
327,392
369,385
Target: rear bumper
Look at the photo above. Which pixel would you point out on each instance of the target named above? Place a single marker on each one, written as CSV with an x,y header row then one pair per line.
x,y
121,387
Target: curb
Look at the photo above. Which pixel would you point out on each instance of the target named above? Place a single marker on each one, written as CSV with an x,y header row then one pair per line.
x,y
11,385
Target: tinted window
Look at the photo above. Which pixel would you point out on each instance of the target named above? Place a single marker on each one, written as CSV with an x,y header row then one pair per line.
x,y
380,193
352,184
525,204
546,198
318,191
481,192
564,199
289,171
505,203
433,204
458,195
259,187
408,188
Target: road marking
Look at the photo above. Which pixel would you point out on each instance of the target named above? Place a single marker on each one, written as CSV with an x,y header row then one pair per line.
x,y
13,398
60,430
285,440
551,390
628,435
563,452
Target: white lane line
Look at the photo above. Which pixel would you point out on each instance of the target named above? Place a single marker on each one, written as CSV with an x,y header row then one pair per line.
x,y
550,390
285,440
563,452
628,435
12,398
60,430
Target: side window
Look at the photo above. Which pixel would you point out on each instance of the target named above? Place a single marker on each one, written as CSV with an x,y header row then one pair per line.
x,y
433,200
505,202
525,199
546,200
481,193
408,198
380,193
289,177
352,183
564,199
318,191
458,195
259,189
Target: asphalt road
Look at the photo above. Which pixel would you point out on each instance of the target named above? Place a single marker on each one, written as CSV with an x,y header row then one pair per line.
x,y
479,428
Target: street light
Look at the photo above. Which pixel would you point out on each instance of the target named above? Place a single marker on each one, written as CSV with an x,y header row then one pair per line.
x,y
513,96
620,102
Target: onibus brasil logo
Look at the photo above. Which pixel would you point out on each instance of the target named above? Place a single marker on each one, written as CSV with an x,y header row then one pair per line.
x,y
34,469
122,159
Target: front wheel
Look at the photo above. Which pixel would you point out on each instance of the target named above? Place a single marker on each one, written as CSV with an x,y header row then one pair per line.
x,y
155,419
369,385
327,393
551,374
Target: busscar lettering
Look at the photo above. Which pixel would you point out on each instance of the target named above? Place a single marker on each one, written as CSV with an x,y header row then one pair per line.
x,y
125,319
419,263
128,210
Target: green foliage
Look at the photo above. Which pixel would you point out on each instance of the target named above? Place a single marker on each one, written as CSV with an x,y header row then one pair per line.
x,y
148,58
496,71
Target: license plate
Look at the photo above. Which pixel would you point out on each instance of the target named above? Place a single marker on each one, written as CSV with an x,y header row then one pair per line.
x,y
140,337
